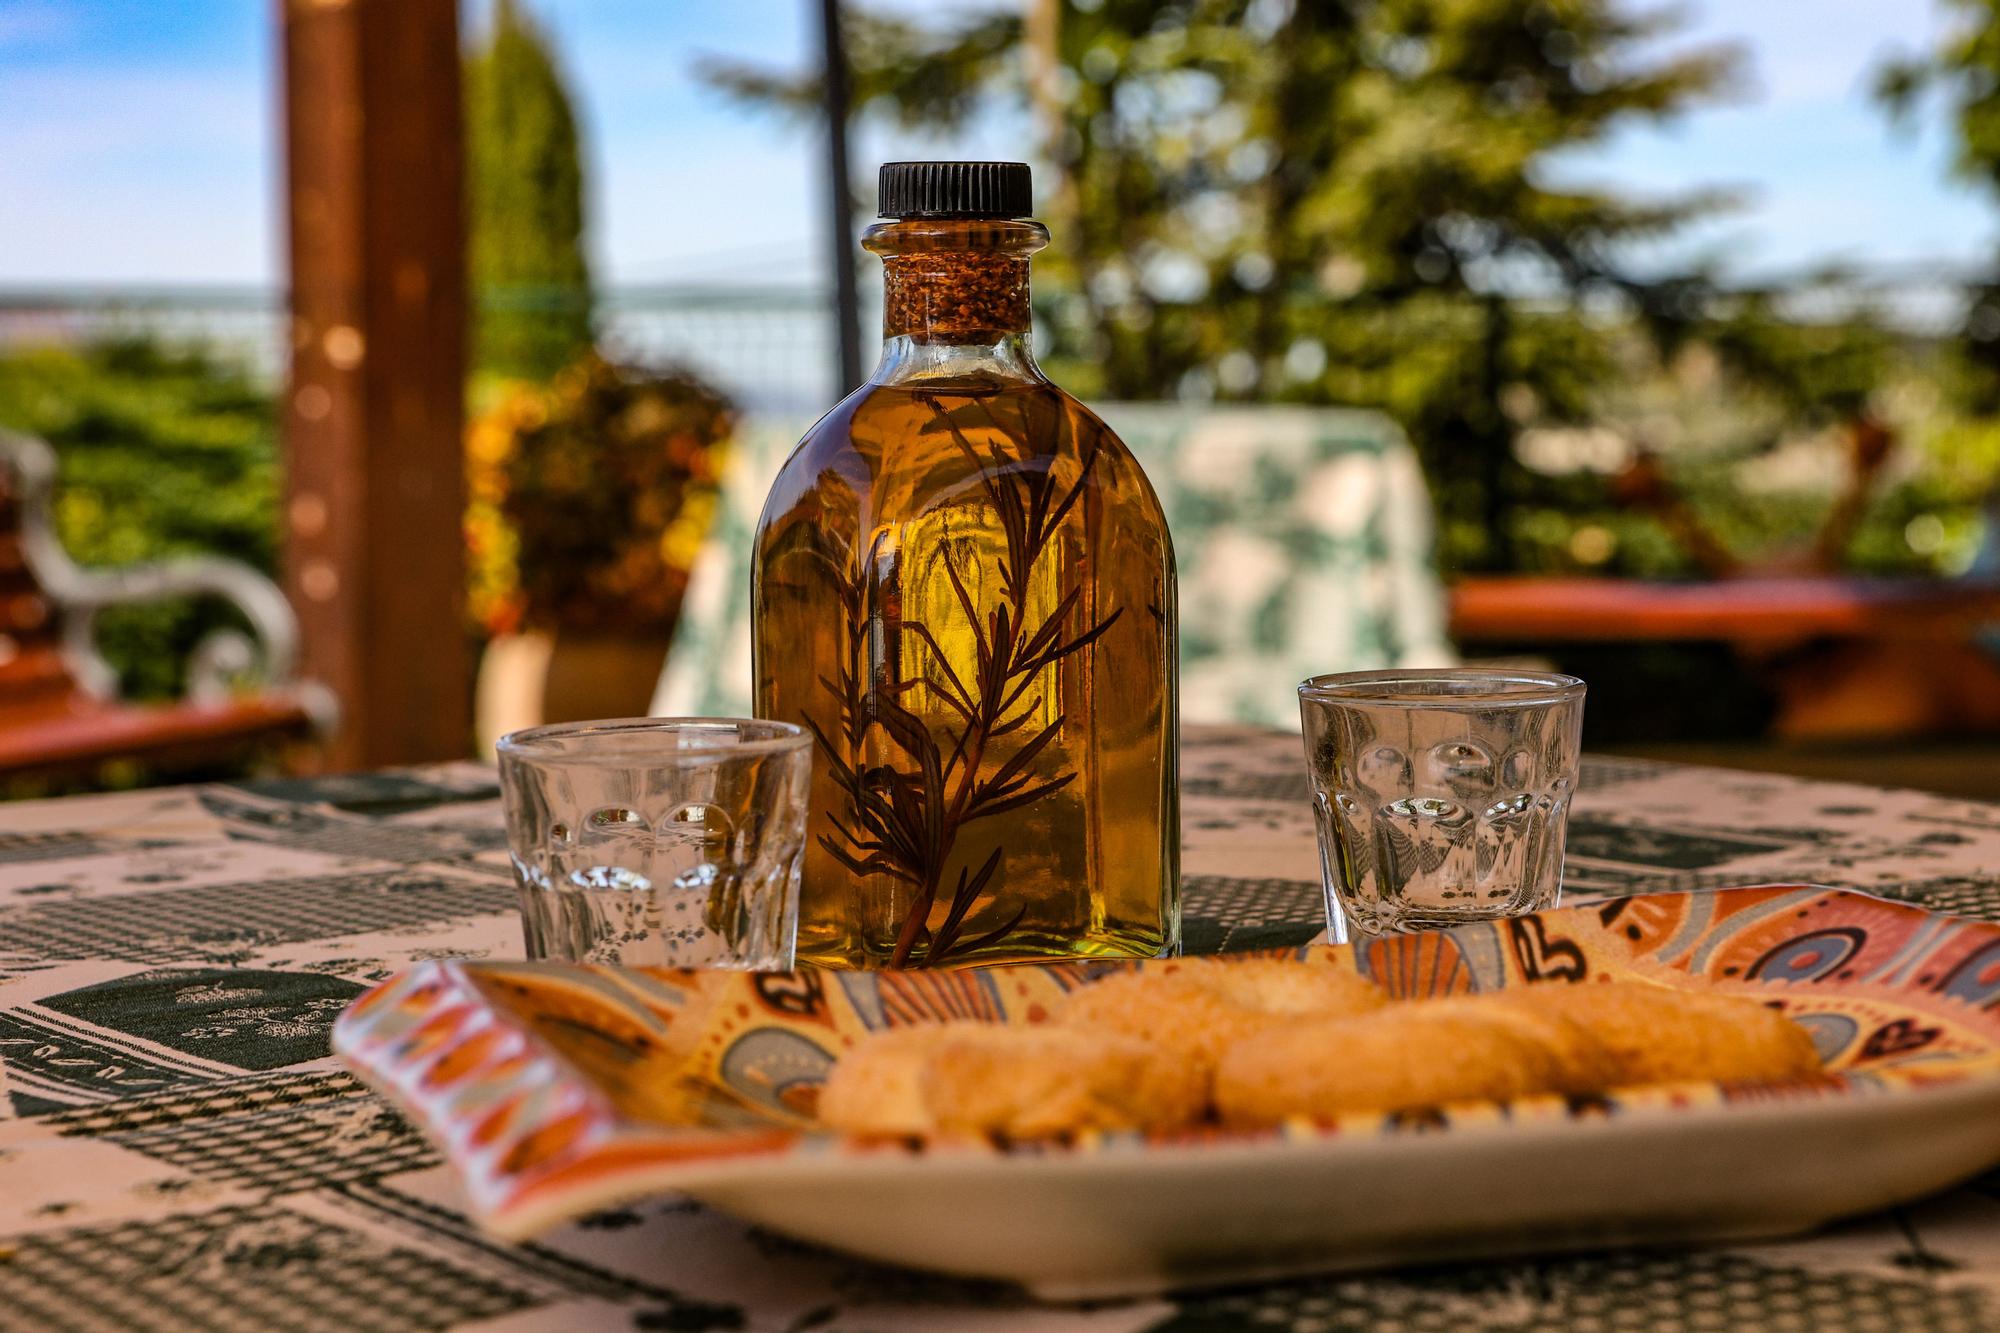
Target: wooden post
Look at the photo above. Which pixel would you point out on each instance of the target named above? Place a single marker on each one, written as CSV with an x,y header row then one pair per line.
x,y
374,414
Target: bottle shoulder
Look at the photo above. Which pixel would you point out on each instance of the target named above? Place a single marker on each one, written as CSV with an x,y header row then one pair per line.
x,y
892,422
824,446
888,453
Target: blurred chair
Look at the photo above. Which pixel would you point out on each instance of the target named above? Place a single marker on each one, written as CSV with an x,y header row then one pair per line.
x,y
1303,538
59,710
1304,541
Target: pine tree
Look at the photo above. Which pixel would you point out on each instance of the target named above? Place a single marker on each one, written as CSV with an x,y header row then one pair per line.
x,y
528,270
1321,200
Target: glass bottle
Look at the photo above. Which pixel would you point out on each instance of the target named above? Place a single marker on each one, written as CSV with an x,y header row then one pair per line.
x,y
964,589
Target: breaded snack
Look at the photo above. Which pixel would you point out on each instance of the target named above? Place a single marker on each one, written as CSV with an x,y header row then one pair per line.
x,y
1659,1034
1285,986
1580,1062
1405,1056
1010,1080
877,1087
1264,1040
1198,1008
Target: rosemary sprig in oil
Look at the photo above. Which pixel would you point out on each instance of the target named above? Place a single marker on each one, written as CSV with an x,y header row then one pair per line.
x,y
904,821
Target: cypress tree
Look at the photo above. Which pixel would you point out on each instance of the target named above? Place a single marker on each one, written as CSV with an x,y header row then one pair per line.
x,y
529,275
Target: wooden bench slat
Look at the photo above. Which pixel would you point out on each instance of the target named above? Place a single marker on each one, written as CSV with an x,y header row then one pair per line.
x,y
83,735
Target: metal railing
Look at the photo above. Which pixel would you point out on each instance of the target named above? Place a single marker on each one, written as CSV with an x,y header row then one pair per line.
x,y
770,348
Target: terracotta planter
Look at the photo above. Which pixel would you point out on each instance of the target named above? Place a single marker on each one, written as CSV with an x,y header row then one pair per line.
x,y
531,678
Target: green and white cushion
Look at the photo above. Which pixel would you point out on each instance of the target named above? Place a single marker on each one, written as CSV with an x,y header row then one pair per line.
x,y
1303,538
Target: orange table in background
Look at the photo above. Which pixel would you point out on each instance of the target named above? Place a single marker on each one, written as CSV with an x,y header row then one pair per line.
x,y
1847,657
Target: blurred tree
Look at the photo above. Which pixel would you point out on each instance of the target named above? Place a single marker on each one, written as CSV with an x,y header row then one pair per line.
x,y
1963,72
1775,379
1815,372
1324,200
529,274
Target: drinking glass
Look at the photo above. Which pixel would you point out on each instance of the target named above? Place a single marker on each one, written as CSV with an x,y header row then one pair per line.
x,y
1441,796
668,842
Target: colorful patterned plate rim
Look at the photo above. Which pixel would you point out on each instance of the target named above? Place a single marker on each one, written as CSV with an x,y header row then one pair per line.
x,y
555,1090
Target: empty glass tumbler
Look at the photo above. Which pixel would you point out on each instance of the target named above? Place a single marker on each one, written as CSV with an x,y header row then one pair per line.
x,y
668,842
1441,796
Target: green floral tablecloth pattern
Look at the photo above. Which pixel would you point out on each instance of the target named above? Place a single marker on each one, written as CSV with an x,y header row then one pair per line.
x,y
178,1149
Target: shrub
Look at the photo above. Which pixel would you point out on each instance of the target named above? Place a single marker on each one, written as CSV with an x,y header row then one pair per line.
x,y
590,499
163,451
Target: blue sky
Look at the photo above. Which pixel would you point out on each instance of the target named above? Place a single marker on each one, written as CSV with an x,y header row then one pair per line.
x,y
137,142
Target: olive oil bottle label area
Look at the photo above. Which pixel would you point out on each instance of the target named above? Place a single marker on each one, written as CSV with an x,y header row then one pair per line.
x,y
964,589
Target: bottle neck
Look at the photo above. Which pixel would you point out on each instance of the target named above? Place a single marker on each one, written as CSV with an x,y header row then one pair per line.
x,y
955,298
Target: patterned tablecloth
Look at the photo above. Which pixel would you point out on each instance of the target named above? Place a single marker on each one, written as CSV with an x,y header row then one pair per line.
x,y
178,1149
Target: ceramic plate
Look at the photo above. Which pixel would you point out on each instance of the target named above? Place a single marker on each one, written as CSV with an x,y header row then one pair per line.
x,y
558,1090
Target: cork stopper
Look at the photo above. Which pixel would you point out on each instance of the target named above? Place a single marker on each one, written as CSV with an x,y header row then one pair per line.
x,y
955,281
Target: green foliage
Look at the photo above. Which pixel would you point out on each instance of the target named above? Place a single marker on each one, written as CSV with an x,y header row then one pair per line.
x,y
1925,524
162,452
917,75
1362,202
1963,72
526,219
1814,371
1749,420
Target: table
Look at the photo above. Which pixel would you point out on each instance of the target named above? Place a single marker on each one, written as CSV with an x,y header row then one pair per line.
x,y
178,1149
1750,610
